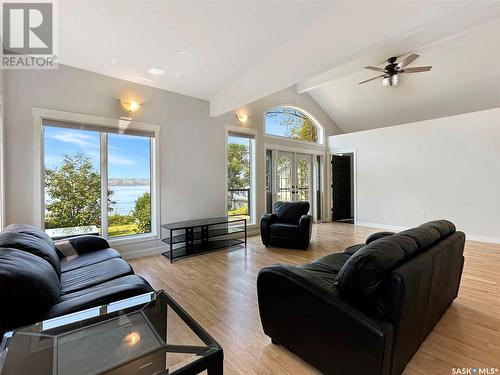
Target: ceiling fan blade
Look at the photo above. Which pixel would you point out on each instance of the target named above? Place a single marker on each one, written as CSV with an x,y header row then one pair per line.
x,y
375,68
407,60
417,69
371,79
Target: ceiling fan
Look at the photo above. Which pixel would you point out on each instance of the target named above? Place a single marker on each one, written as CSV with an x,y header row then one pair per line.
x,y
394,69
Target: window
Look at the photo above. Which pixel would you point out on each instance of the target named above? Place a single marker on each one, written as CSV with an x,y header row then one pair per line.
x,y
97,180
293,123
240,176
269,181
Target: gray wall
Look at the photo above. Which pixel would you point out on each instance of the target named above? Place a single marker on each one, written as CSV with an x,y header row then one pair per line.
x,y
192,145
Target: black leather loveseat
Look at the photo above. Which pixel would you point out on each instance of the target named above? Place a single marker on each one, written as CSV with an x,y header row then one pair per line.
x,y
288,226
41,279
368,309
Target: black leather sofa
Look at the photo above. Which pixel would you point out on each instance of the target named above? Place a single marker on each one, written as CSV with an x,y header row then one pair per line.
x,y
368,309
41,279
288,226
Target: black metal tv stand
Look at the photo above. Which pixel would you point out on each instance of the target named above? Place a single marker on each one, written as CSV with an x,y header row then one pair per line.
x,y
202,235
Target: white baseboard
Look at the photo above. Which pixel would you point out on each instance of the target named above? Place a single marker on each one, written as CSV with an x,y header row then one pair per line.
x,y
143,252
469,237
381,226
472,237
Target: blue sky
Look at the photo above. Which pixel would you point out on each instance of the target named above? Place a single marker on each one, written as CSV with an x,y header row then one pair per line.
x,y
240,140
274,126
128,156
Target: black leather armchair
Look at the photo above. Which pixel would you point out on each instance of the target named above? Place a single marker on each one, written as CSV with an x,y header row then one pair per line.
x,y
288,226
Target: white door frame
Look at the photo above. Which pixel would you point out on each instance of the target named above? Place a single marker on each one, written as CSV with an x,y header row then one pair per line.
x,y
352,151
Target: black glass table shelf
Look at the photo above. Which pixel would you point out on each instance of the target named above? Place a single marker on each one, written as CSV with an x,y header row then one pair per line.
x,y
202,235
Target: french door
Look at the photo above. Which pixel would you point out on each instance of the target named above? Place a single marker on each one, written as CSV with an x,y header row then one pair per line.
x,y
293,173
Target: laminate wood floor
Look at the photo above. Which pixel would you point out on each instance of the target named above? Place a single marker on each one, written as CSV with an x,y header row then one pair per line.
x,y
219,290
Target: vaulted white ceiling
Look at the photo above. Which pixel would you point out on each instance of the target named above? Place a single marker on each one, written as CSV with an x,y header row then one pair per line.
x,y
235,52
201,45
465,77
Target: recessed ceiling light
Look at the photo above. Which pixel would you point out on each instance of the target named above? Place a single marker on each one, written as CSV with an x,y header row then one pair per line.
x,y
114,60
143,79
156,71
183,53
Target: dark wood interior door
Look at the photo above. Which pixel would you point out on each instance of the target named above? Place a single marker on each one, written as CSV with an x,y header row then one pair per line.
x,y
341,187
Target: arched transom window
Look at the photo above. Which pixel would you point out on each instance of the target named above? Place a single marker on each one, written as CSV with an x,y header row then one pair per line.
x,y
293,123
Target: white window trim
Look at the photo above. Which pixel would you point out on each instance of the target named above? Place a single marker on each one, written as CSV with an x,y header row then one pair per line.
x,y
253,169
321,130
40,114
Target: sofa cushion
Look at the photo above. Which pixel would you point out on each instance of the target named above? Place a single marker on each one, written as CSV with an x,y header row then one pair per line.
x,y
285,229
32,231
352,249
363,273
333,261
291,211
428,234
28,286
33,245
376,236
94,274
130,280
327,267
367,268
86,259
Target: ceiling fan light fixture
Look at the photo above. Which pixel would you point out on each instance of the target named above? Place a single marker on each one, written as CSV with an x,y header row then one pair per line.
x,y
391,72
391,80
394,80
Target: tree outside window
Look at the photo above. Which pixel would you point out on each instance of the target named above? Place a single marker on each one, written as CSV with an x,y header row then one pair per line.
x,y
290,122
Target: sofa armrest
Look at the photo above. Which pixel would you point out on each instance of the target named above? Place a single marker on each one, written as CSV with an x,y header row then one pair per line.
x,y
377,236
265,222
81,244
305,223
310,317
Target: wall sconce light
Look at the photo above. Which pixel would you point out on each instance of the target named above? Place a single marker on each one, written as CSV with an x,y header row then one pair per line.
x,y
242,117
130,106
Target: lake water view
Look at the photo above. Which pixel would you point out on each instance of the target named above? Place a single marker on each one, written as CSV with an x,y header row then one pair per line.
x,y
125,197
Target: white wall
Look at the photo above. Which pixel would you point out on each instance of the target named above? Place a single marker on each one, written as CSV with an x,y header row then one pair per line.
x,y
192,144
442,168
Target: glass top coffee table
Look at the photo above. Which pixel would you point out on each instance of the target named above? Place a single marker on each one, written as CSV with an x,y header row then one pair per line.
x,y
145,335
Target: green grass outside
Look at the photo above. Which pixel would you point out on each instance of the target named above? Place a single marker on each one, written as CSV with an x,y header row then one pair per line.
x,y
240,213
122,230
